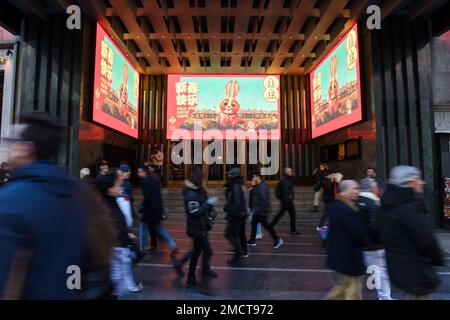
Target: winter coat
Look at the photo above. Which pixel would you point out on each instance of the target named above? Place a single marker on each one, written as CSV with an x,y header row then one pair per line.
x,y
236,206
41,214
412,250
286,186
346,239
261,199
368,205
329,190
152,207
197,211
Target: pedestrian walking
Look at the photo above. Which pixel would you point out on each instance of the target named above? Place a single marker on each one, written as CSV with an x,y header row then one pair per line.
x,y
412,250
346,241
319,174
374,255
236,213
261,209
199,209
153,210
285,193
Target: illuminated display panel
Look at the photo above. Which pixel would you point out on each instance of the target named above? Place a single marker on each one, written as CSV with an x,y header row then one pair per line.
x,y
116,87
336,88
249,103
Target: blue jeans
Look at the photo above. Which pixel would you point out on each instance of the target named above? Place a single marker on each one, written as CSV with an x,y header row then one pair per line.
x,y
162,233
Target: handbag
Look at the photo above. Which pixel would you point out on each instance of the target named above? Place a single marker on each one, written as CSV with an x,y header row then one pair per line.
x,y
317,187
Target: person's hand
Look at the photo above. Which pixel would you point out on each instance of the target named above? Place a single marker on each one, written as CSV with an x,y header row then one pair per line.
x,y
212,201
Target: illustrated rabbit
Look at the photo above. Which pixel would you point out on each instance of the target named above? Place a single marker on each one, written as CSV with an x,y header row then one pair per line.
x,y
230,106
333,89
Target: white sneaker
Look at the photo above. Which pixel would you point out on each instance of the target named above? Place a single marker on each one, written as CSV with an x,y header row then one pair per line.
x,y
278,244
138,288
259,236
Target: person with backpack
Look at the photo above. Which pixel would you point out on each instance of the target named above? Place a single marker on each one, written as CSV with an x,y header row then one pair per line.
x,y
285,193
236,210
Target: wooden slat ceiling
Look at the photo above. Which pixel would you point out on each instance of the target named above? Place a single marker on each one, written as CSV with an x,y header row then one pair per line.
x,y
229,36
226,36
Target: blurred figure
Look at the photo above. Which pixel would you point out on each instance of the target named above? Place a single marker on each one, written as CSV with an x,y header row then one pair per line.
x,y
125,198
153,210
374,255
85,172
261,209
42,219
285,193
157,162
347,238
198,211
372,173
259,234
236,210
4,173
104,171
412,250
330,185
121,262
320,174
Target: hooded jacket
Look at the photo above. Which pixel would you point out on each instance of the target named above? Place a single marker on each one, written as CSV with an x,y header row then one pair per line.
x,y
41,216
411,247
197,210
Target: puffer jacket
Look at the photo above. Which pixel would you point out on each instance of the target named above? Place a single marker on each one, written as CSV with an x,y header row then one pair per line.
x,y
236,206
368,205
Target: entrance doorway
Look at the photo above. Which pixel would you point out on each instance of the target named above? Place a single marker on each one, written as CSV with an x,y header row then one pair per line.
x,y
229,155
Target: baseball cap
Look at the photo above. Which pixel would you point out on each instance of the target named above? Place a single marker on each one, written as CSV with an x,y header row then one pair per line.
x,y
234,171
124,168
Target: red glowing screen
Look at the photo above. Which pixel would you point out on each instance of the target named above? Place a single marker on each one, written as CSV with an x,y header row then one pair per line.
x,y
116,87
336,87
249,104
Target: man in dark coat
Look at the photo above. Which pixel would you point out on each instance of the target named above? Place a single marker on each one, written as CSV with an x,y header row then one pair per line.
x,y
285,193
153,211
236,210
346,241
412,250
261,207
42,222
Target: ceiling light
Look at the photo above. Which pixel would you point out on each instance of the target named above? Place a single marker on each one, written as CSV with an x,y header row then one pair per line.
x,y
290,37
163,36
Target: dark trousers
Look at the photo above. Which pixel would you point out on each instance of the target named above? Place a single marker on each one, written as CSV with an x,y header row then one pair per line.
x,y
153,231
263,220
324,216
235,233
201,245
290,208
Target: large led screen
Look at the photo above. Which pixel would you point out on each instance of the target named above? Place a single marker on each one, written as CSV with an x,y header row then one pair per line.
x,y
116,87
335,87
249,104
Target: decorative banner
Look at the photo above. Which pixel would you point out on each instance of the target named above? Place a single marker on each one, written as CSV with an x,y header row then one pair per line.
x,y
116,87
238,102
336,88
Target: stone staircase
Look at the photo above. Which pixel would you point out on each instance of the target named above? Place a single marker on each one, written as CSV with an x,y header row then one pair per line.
x,y
304,195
